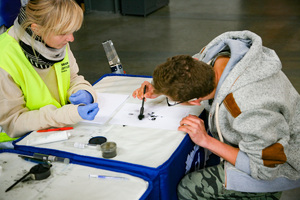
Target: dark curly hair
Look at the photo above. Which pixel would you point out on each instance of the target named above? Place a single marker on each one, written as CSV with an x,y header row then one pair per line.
x,y
183,78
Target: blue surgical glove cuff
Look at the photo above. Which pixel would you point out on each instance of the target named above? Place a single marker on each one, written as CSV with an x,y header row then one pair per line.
x,y
81,97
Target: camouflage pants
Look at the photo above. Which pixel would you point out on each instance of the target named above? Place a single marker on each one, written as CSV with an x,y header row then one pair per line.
x,y
207,184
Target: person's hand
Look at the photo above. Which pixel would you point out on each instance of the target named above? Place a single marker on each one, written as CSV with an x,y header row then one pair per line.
x,y
139,93
81,97
195,127
88,112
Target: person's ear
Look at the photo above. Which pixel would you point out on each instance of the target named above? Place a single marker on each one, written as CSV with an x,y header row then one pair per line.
x,y
35,28
196,102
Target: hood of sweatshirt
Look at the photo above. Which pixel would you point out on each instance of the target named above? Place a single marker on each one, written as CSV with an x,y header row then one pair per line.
x,y
250,61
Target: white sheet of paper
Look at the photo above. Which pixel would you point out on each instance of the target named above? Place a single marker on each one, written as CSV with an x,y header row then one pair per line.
x,y
156,116
107,103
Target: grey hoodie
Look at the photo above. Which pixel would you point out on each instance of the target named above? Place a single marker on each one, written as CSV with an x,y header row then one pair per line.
x,y
256,109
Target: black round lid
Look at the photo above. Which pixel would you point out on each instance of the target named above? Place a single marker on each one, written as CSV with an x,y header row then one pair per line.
x,y
97,140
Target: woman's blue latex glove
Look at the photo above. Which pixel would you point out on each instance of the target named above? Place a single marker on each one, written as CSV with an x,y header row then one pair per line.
x,y
88,112
81,96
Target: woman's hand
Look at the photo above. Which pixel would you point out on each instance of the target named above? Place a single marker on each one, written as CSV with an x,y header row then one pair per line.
x,y
81,97
139,93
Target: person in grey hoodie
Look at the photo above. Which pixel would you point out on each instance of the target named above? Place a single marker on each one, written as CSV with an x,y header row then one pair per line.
x,y
253,117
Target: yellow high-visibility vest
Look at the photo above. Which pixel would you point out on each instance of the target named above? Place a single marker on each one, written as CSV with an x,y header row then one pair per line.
x,y
36,93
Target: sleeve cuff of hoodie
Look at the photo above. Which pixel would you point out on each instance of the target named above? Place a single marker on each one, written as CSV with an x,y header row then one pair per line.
x,y
74,115
242,162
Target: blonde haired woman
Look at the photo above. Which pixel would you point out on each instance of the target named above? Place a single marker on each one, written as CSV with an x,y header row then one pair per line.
x,y
39,84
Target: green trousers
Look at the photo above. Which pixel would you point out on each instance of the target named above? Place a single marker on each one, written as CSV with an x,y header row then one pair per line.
x,y
208,184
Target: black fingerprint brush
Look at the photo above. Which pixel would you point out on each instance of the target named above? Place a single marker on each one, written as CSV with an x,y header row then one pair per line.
x,y
141,115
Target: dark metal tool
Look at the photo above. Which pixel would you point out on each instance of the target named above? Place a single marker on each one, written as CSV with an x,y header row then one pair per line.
x,y
141,115
37,172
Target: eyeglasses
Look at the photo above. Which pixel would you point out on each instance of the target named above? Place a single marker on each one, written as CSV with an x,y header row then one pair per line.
x,y
174,103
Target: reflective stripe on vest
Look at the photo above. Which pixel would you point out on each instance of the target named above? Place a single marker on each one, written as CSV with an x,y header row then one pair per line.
x,y
36,93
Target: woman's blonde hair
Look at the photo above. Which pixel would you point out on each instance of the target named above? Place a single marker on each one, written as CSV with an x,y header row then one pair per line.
x,y
53,16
